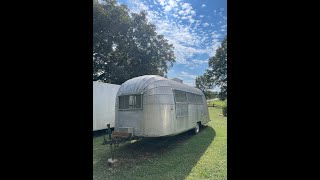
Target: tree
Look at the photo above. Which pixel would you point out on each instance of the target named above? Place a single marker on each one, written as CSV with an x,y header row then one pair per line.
x,y
211,94
202,83
125,45
218,73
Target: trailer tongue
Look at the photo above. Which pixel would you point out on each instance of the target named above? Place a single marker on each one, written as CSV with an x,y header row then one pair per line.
x,y
116,137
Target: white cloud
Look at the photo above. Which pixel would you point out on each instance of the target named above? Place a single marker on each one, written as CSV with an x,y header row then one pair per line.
x,y
183,53
187,75
193,13
170,5
186,6
167,8
186,9
188,39
136,6
215,35
212,49
171,70
203,5
190,83
204,39
162,2
191,20
197,61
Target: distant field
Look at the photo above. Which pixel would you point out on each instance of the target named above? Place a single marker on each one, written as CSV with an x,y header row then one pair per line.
x,y
218,103
185,156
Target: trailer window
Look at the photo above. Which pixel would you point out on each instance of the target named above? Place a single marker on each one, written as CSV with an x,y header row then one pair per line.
x,y
182,109
181,103
180,96
191,98
199,99
130,102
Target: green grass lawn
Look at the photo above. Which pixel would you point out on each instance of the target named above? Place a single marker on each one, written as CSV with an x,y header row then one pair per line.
x,y
184,156
218,103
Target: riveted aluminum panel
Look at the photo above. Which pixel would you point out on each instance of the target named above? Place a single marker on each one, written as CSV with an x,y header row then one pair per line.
x,y
159,120
130,119
141,84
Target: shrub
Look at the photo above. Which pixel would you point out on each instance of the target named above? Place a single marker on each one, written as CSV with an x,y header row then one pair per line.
x,y
224,109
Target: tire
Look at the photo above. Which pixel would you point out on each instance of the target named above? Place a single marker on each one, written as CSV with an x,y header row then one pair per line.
x,y
196,129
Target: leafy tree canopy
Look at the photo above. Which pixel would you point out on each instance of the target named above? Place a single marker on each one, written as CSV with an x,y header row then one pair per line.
x,y
126,45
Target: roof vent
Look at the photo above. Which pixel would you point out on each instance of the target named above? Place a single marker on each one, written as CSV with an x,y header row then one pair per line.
x,y
177,80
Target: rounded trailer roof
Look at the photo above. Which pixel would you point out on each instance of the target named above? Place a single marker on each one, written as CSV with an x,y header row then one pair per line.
x,y
141,84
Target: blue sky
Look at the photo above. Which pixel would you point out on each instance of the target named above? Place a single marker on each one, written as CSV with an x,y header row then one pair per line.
x,y
194,27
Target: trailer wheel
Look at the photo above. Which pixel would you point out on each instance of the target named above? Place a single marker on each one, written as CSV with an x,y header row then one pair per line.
x,y
196,128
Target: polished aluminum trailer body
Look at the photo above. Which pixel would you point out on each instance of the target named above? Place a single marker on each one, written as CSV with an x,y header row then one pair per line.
x,y
154,106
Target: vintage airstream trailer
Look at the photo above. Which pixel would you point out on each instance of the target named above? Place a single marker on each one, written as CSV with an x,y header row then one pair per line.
x,y
104,99
154,106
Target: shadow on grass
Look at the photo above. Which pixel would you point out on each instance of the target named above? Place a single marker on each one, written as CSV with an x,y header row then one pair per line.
x,y
160,145
102,132
169,157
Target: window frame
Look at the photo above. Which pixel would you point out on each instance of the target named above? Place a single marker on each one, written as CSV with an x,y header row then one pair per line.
x,y
180,103
194,96
186,98
200,98
132,109
187,102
